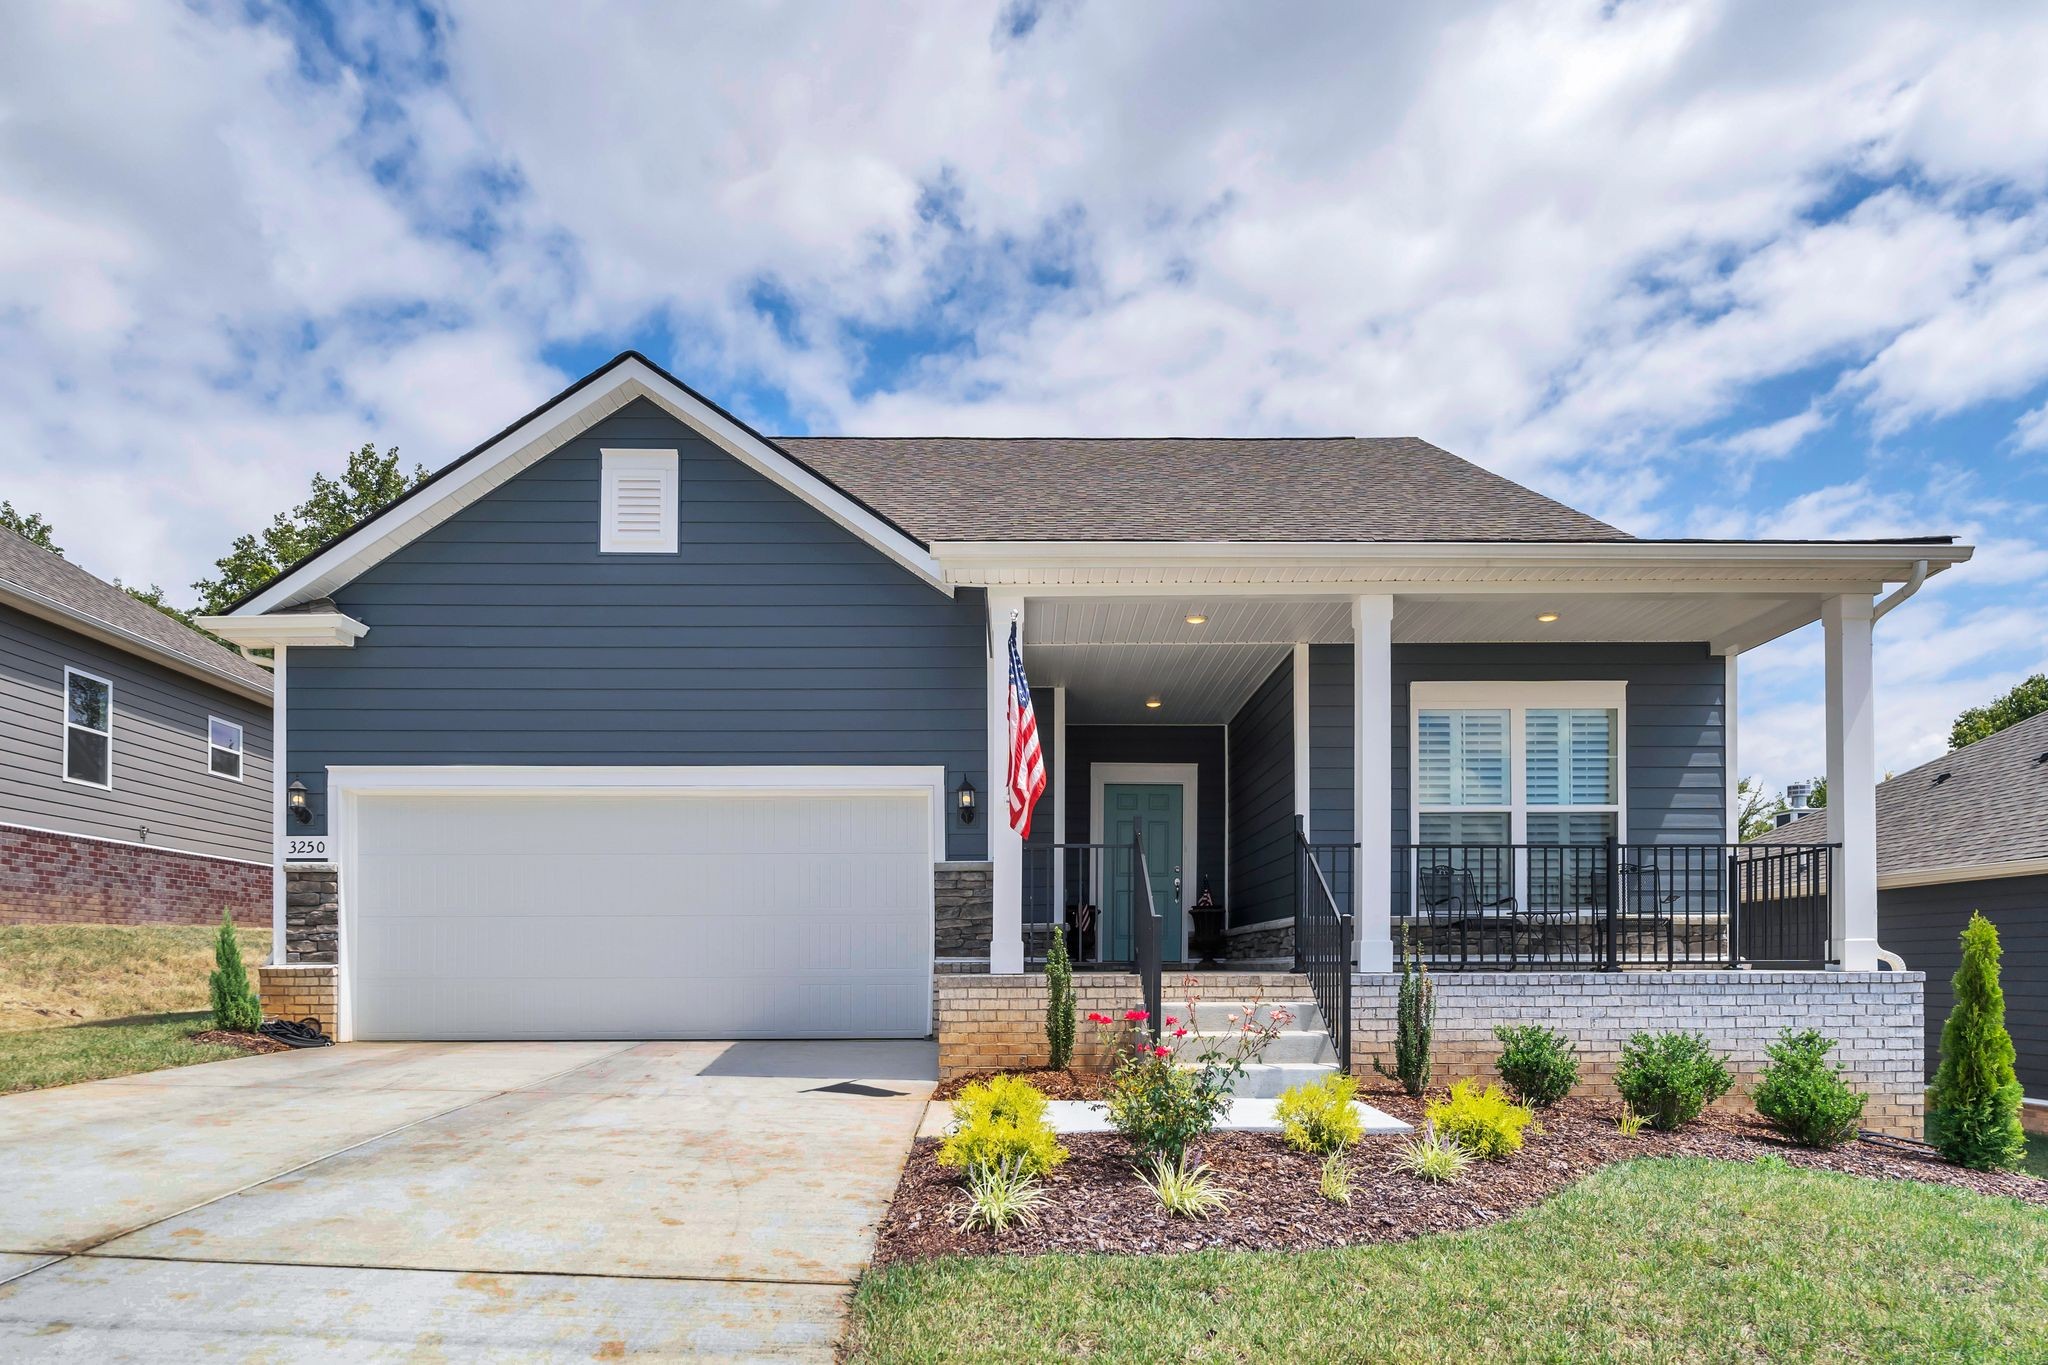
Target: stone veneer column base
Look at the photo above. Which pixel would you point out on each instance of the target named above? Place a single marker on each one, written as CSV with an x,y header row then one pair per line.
x,y
312,912
299,990
1874,1017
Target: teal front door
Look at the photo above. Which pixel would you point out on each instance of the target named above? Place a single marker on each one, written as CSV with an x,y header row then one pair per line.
x,y
1152,809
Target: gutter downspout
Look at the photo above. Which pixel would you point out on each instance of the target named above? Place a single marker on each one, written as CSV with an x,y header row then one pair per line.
x,y
1913,583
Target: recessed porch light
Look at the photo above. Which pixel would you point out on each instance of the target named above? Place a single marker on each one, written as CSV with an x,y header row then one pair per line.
x,y
1196,618
1546,616
1153,703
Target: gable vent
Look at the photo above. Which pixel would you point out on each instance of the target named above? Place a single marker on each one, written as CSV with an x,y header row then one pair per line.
x,y
638,510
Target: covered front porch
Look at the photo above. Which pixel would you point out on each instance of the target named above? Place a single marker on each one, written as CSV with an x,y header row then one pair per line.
x,y
1511,766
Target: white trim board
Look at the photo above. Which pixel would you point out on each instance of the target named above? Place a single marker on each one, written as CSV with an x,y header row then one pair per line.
x,y
1186,776
1516,698
571,414
131,843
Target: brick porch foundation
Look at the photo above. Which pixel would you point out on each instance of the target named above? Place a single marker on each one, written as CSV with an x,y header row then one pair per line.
x,y
59,879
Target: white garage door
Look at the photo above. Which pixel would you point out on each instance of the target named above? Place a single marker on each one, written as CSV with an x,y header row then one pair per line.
x,y
750,915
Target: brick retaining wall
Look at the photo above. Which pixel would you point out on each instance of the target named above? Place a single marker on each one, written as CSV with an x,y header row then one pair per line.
x,y
1875,1018
298,990
59,879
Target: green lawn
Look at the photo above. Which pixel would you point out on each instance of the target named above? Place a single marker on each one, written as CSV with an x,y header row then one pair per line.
x,y
35,1058
2036,1161
1647,1261
57,974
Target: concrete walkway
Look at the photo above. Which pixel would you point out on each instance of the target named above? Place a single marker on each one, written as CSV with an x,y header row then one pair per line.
x,y
500,1201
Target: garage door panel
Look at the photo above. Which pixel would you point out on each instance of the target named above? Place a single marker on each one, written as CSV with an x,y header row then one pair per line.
x,y
752,915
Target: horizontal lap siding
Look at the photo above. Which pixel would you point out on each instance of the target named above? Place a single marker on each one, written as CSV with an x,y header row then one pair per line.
x,y
1262,802
1924,924
162,783
1676,763
773,636
1201,745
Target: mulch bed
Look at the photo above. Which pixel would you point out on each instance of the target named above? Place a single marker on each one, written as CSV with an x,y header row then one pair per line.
x,y
1054,1085
248,1042
1098,1204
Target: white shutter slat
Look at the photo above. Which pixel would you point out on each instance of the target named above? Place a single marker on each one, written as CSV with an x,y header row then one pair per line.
x,y
638,512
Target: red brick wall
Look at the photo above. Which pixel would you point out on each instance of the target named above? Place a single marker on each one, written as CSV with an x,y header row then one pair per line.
x,y
56,879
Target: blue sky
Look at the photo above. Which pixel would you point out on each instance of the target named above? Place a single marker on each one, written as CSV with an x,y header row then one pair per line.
x,y
1709,269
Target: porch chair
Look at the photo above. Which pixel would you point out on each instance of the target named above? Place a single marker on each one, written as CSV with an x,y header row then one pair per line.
x,y
1451,895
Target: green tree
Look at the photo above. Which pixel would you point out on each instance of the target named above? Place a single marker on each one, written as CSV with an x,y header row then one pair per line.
x,y
2028,698
235,1006
1973,1108
30,527
1756,813
370,483
1059,1000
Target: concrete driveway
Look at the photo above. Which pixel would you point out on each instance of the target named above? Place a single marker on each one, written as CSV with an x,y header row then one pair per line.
x,y
469,1200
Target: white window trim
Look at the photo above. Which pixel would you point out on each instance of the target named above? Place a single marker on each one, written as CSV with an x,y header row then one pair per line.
x,y
1517,699
241,753
64,710
614,462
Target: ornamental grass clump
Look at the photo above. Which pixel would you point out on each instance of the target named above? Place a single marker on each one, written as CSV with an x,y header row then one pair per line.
x,y
1000,1197
1414,1024
1334,1183
1538,1064
1433,1157
997,1122
1059,1002
1184,1190
1486,1123
1802,1094
1669,1078
1318,1116
1973,1108
235,1007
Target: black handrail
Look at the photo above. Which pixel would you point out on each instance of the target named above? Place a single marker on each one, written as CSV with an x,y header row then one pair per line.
x,y
1322,944
1146,930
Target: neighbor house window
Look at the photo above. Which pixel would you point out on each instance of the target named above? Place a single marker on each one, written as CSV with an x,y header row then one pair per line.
x,y
1516,763
223,748
637,502
88,729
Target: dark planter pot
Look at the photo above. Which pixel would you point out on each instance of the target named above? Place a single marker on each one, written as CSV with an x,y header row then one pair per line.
x,y
1207,937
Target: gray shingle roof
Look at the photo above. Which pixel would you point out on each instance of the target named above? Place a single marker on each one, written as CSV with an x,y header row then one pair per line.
x,y
30,569
1992,807
1193,489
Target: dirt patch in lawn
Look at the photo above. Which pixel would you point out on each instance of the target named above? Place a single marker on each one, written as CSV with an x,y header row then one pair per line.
x,y
1099,1205
1054,1085
248,1042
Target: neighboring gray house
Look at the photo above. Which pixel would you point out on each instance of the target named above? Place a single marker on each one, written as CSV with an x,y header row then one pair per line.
x,y
634,722
1968,831
135,782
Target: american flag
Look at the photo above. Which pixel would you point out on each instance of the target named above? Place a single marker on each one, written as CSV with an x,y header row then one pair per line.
x,y
1027,761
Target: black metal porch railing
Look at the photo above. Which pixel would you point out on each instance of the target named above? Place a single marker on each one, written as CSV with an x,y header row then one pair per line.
x,y
1100,897
1322,944
1606,907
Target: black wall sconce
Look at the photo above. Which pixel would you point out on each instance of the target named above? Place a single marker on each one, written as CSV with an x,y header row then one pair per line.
x,y
295,798
967,799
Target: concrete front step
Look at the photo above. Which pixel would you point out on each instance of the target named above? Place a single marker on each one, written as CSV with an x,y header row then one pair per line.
x,y
1266,1080
1214,1016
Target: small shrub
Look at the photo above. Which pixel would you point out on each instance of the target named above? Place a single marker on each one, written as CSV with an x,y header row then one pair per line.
x,y
1317,1116
1669,1078
1973,1108
1186,1191
1160,1108
235,1006
1414,1024
1803,1095
1539,1065
1335,1182
1434,1157
1486,1123
999,1196
1630,1123
997,1122
1059,1001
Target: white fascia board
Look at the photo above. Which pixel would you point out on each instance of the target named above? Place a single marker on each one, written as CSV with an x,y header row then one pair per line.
x,y
288,630
1972,872
572,779
92,627
548,431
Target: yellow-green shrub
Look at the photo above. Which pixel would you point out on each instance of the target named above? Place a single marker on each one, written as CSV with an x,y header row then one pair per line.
x,y
1001,1120
1316,1116
1484,1122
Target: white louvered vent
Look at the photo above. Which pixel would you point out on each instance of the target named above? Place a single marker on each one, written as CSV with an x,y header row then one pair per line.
x,y
639,504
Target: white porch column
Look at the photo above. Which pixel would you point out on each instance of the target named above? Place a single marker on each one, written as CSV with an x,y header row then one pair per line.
x,y
1302,787
280,815
1005,848
1372,768
1852,779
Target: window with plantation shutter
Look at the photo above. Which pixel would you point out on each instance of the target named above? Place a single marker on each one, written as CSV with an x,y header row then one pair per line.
x,y
1462,778
638,508
1471,738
